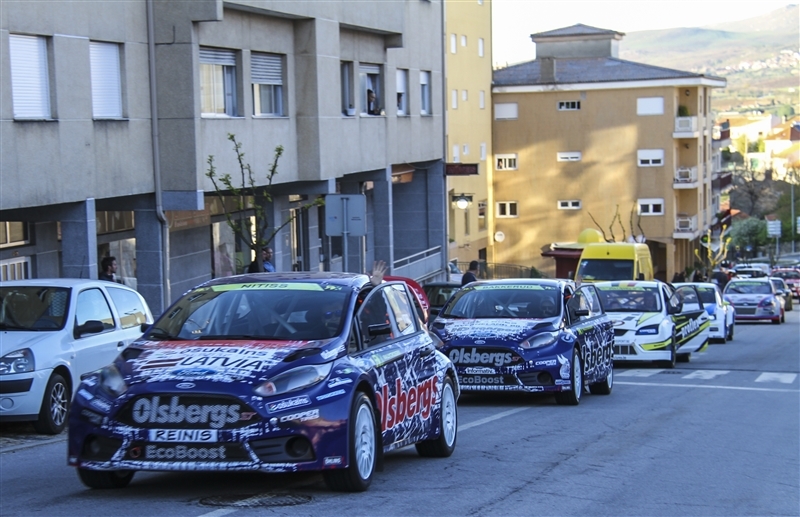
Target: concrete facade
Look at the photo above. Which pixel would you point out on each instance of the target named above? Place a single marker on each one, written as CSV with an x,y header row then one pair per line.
x,y
58,170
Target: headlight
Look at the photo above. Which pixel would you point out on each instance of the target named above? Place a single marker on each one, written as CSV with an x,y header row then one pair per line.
x,y
768,303
111,381
18,361
294,379
539,340
650,330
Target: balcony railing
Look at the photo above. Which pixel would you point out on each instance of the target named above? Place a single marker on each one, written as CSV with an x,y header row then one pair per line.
x,y
419,266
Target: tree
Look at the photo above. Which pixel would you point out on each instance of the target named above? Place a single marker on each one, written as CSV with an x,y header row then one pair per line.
x,y
752,193
749,232
715,251
250,195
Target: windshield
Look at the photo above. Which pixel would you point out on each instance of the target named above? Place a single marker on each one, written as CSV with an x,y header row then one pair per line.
x,y
506,301
438,294
283,311
748,288
630,299
33,307
600,269
707,295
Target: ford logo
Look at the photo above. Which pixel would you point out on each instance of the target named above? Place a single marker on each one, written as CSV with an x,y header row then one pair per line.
x,y
185,385
479,342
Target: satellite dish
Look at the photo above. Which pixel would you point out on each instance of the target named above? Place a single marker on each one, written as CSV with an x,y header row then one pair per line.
x,y
499,236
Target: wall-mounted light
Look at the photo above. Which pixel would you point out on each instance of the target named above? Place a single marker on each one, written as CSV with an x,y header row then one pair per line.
x,y
461,201
686,146
686,92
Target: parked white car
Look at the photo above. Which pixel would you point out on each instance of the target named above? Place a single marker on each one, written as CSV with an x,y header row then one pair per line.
x,y
54,330
722,313
455,273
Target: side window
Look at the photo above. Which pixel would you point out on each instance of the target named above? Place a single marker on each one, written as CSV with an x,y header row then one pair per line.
x,y
129,307
402,309
92,305
373,319
592,301
583,305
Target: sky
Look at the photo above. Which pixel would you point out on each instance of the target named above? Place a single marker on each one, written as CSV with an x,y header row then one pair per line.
x,y
513,21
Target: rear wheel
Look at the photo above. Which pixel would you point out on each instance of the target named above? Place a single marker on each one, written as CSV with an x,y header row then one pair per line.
x,y
363,446
55,405
105,478
573,397
603,387
445,444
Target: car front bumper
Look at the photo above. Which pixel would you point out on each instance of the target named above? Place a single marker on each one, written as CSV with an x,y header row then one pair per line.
x,y
21,395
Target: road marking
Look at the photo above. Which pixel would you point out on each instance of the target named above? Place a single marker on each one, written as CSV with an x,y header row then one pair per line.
x,y
710,386
490,418
218,513
637,373
784,378
705,374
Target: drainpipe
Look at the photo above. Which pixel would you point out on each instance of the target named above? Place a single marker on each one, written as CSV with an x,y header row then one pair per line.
x,y
151,52
445,242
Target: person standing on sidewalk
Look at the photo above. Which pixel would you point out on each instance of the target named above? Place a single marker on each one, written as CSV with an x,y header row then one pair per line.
x,y
471,274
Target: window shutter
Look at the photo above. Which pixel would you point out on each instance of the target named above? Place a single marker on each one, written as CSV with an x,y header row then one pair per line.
x,y
29,82
424,78
266,69
106,88
215,56
401,81
370,69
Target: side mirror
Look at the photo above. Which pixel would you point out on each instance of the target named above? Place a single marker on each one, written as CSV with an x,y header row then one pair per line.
x,y
90,327
675,309
144,326
379,329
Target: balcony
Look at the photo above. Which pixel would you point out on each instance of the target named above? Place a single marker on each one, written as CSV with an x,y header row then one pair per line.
x,y
686,178
420,266
685,227
685,127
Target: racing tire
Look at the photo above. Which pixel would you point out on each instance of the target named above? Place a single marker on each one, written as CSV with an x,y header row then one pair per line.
x,y
729,337
573,397
103,479
603,387
684,358
783,317
55,407
444,445
670,363
363,447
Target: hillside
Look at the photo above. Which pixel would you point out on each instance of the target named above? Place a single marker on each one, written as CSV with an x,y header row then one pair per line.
x,y
759,57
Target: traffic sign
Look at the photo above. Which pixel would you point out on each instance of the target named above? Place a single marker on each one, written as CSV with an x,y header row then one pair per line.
x,y
774,228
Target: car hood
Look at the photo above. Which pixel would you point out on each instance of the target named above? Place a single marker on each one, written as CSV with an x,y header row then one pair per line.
x,y
221,361
632,320
489,330
11,340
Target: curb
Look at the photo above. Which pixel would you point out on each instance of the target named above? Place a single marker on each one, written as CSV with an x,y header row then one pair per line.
x,y
14,448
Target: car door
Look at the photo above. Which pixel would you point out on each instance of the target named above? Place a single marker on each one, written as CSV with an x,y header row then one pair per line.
x,y
93,350
690,319
131,311
593,329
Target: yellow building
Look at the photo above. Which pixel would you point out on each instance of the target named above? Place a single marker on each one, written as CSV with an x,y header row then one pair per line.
x,y
468,127
583,139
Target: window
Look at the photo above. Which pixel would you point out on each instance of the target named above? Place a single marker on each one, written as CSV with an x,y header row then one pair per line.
x,y
651,207
374,315
92,305
371,92
402,309
505,162
129,307
650,157
505,111
464,95
13,233
463,40
266,73
106,82
465,149
402,92
218,82
15,269
507,209
650,106
569,204
482,215
30,83
425,92
483,151
467,217
480,47
453,44
454,99
456,149
482,100
569,105
348,99
573,156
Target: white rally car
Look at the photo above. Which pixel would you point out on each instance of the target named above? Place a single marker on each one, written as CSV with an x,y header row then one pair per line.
x,y
654,321
723,314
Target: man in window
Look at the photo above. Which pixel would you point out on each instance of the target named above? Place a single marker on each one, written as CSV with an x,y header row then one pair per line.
x,y
372,103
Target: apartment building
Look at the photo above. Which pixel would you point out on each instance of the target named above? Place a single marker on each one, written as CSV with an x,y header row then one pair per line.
x,y
468,65
583,139
109,112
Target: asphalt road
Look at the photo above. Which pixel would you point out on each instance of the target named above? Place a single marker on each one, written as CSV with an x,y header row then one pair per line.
x,y
718,436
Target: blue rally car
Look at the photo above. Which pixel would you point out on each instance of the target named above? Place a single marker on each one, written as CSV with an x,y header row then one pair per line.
x,y
272,372
528,335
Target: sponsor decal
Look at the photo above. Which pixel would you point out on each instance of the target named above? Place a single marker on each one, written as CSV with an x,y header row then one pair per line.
x,y
339,381
288,403
194,372
90,381
178,452
688,329
564,370
331,394
481,379
333,460
479,370
183,435
479,342
85,394
303,416
548,362
562,382
146,410
330,354
535,388
91,416
405,404
100,404
464,356
185,385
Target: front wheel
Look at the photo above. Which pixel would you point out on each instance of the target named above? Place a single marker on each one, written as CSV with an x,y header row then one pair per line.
x,y
573,397
105,478
445,444
670,363
55,405
363,446
603,387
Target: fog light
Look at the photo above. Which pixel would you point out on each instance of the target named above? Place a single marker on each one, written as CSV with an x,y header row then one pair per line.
x,y
297,447
545,378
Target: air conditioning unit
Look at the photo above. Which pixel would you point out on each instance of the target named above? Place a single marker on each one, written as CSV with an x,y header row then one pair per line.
x,y
685,224
684,174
